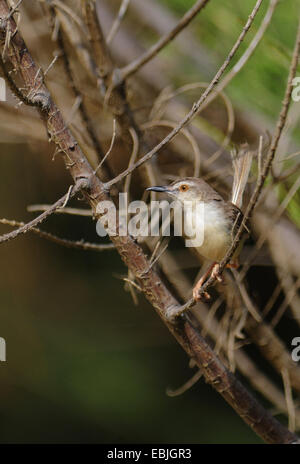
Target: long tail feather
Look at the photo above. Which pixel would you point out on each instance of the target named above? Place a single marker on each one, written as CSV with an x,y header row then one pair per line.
x,y
241,161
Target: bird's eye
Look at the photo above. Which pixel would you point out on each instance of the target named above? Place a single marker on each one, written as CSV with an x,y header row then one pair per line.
x,y
183,188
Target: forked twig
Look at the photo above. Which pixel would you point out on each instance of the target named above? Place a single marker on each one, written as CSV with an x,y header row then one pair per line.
x,y
58,204
77,244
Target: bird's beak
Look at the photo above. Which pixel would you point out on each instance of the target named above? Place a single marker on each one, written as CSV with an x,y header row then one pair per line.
x,y
163,189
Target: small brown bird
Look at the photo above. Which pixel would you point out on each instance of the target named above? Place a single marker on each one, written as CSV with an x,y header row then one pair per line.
x,y
221,218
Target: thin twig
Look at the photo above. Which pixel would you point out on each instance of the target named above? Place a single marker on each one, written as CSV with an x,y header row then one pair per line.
x,y
72,211
135,148
77,244
133,67
14,8
289,399
186,386
166,96
117,22
70,12
58,204
185,132
264,236
290,294
110,148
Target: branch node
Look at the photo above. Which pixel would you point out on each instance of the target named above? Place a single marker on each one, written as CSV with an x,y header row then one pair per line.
x,y
42,100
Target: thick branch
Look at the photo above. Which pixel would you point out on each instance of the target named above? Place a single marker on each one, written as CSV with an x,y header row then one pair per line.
x,y
234,392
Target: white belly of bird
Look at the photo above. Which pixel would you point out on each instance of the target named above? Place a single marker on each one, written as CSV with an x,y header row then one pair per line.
x,y
216,231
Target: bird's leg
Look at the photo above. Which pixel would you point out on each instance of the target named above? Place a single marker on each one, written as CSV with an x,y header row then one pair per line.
x,y
174,312
212,271
199,284
233,264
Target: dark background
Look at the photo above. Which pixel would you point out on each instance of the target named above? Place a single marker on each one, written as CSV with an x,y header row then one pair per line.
x,y
83,363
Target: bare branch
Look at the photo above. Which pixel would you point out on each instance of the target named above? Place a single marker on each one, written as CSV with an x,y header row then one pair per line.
x,y
186,134
78,245
289,399
133,67
186,386
233,391
117,22
135,147
276,216
110,147
58,204
59,4
166,96
72,211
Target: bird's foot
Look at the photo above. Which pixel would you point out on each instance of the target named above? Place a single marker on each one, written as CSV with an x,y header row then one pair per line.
x,y
197,295
213,271
233,264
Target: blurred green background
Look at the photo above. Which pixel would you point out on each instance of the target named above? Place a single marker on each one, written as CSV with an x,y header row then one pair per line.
x,y
83,363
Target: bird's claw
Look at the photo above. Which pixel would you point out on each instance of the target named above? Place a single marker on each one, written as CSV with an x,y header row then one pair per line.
x,y
198,296
197,293
213,272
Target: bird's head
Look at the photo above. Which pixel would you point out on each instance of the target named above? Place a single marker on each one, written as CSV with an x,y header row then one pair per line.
x,y
188,189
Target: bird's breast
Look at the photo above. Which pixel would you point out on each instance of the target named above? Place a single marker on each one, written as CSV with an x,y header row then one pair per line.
x,y
211,220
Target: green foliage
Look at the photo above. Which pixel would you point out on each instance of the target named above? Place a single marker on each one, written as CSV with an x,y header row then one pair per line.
x,y
261,83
